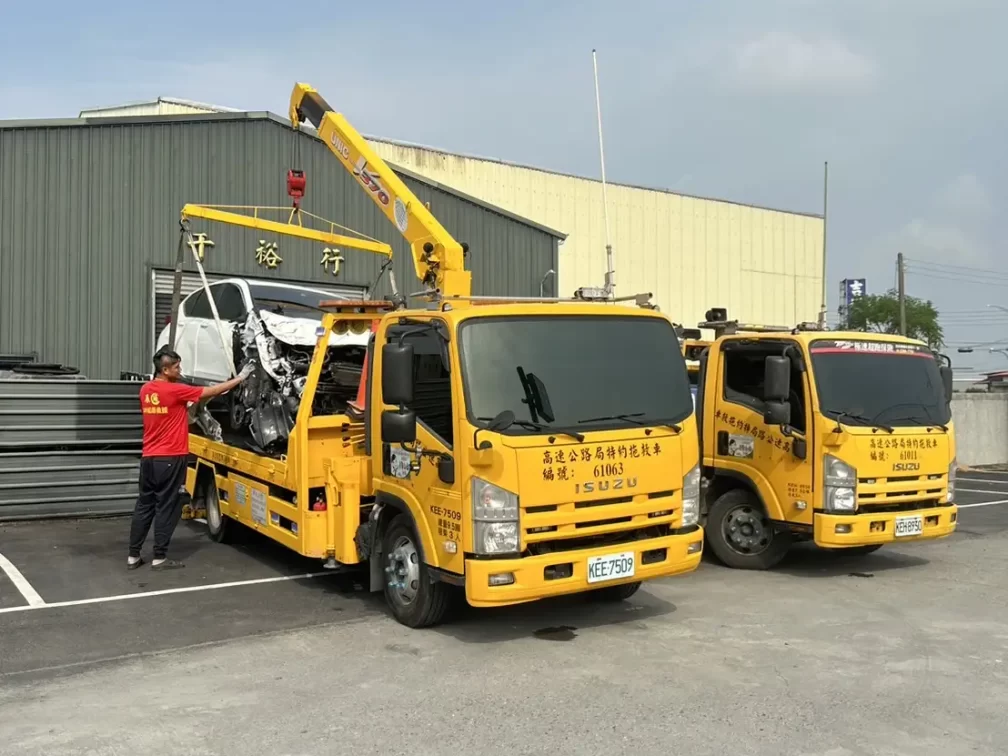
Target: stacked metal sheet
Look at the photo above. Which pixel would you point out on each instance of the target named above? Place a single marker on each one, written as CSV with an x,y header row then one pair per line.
x,y
68,447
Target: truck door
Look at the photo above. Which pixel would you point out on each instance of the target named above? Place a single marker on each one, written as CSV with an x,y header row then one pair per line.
x,y
770,456
432,487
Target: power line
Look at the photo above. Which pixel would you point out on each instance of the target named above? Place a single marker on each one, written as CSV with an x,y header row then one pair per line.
x,y
979,279
956,268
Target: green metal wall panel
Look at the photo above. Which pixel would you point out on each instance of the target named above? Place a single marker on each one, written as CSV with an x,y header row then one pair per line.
x,y
88,209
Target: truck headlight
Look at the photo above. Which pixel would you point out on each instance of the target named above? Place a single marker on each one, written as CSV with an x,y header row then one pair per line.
x,y
840,485
495,519
950,496
691,497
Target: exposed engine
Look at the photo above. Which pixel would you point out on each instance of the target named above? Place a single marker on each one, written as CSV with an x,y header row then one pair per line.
x,y
261,413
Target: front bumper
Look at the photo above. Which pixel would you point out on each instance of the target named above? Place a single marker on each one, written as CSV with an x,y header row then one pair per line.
x,y
533,576
869,528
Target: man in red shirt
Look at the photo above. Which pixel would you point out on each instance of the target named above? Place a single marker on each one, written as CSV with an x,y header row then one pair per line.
x,y
165,404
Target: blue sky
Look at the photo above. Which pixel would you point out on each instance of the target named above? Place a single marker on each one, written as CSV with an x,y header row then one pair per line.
x,y
906,99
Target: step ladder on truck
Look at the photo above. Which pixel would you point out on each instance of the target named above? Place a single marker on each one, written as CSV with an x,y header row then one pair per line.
x,y
500,450
840,438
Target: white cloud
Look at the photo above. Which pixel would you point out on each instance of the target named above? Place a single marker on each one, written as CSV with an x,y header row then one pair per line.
x,y
783,61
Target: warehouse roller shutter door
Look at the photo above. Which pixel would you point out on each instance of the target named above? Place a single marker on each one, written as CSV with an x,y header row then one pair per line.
x,y
164,281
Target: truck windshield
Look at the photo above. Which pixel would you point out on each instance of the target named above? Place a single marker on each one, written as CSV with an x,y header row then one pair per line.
x,y
574,372
879,382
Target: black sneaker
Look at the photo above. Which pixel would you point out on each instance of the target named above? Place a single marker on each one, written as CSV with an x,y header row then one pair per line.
x,y
167,564
134,565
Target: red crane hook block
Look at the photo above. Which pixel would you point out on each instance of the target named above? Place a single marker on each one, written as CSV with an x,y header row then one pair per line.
x,y
296,182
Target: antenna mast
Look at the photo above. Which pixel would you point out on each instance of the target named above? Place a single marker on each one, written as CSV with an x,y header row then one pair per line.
x,y
610,279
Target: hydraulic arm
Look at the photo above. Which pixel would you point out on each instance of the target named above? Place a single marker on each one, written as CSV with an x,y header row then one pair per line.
x,y
438,258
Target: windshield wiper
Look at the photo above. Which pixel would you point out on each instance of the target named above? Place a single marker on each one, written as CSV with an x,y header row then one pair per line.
x,y
839,415
927,411
530,425
632,417
534,425
927,424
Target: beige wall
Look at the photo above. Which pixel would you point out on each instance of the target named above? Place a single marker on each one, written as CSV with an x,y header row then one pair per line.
x,y
765,266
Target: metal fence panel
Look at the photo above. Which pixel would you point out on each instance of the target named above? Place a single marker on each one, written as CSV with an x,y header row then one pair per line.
x,y
68,448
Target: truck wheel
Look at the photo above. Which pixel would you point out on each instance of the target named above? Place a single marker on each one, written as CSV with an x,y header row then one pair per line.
x,y
217,524
741,535
614,593
414,599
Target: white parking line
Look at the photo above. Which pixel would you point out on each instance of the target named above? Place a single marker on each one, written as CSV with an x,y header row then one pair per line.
x,y
30,594
963,506
994,481
165,592
981,490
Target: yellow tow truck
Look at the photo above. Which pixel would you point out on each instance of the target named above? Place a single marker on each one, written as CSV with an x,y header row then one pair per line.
x,y
842,438
511,450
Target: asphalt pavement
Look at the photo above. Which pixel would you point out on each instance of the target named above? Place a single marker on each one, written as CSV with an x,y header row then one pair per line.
x,y
250,650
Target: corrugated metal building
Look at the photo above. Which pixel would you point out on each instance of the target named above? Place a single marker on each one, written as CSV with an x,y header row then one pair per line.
x,y
89,213
693,253
160,106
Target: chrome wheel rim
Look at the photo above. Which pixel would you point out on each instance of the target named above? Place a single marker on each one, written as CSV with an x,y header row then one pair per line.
x,y
402,571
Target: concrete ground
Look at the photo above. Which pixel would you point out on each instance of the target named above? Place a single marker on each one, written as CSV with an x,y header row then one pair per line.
x,y
901,652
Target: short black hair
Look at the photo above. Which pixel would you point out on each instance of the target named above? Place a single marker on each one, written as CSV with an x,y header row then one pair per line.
x,y
165,357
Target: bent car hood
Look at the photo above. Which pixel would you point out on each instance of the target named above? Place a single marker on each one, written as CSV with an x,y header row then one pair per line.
x,y
301,331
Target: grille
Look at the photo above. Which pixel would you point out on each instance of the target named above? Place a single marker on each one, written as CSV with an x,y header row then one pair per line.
x,y
901,492
550,527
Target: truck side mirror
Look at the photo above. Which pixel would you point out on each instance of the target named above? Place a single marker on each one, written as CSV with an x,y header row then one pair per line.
x,y
946,376
397,373
398,426
777,379
777,413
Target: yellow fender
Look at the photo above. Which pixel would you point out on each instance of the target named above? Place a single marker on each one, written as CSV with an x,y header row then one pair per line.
x,y
421,523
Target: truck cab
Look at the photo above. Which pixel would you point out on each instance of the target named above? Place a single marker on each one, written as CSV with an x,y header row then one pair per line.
x,y
844,439
523,452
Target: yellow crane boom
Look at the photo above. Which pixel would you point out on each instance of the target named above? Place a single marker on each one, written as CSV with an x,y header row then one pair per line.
x,y
438,258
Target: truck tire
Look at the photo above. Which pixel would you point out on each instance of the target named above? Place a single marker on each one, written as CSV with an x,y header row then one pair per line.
x,y
217,523
741,535
414,599
614,593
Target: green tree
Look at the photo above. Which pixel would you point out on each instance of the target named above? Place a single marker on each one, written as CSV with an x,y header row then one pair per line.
x,y
880,313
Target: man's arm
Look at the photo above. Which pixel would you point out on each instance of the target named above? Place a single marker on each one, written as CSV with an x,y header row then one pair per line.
x,y
222,388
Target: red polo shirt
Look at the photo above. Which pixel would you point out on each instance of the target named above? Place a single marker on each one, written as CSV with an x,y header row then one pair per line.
x,y
166,417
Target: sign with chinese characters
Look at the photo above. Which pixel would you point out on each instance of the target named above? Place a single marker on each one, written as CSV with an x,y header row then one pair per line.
x,y
750,436
331,257
831,346
198,244
850,289
267,255
902,451
595,461
449,522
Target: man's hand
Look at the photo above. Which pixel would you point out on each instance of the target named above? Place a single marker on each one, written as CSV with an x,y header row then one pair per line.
x,y
222,388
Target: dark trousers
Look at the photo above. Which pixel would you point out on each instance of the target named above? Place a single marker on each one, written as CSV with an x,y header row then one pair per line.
x,y
161,481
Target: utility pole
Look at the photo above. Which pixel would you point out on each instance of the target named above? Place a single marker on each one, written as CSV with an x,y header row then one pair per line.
x,y
822,310
610,276
901,283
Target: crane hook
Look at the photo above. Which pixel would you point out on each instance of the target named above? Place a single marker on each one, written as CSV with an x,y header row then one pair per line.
x,y
296,183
